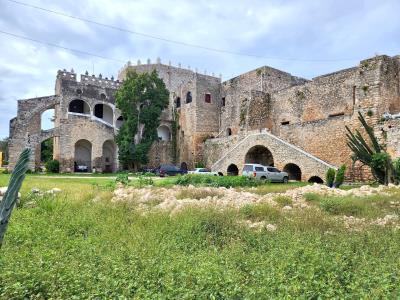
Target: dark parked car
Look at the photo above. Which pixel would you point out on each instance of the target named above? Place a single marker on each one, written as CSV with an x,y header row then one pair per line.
x,y
169,170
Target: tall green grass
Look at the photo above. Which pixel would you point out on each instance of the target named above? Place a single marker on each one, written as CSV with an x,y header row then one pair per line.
x,y
69,246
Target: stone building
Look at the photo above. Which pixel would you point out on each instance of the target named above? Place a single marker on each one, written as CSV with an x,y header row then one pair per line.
x,y
263,116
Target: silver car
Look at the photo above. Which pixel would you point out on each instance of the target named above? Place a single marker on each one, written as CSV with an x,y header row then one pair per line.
x,y
265,173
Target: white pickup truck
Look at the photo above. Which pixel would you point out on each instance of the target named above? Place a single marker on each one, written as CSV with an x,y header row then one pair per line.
x,y
203,171
265,173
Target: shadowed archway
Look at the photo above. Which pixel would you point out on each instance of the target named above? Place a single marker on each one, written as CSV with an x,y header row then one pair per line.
x,y
293,171
259,155
232,170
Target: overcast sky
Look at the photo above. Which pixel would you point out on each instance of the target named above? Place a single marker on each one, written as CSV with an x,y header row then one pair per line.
x,y
287,34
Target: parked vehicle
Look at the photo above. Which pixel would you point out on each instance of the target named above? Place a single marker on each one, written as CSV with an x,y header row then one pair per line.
x,y
169,170
203,171
265,173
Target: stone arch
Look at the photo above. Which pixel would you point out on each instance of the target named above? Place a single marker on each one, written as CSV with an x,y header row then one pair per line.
x,y
79,106
109,156
164,134
259,155
315,179
293,171
104,112
184,166
83,156
47,119
232,170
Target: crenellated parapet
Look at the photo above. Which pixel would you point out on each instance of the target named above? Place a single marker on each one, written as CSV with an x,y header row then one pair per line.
x,y
99,81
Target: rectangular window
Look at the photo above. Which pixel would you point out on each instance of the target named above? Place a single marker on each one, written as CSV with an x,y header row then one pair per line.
x,y
98,111
208,98
223,101
285,123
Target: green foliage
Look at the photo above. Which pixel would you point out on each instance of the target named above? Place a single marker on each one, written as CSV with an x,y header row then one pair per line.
x,y
145,181
217,181
370,113
339,179
199,164
46,151
330,176
10,198
4,148
283,200
53,166
122,178
141,99
372,154
343,206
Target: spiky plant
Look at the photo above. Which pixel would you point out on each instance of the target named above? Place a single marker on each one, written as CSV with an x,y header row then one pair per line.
x,y
11,195
372,154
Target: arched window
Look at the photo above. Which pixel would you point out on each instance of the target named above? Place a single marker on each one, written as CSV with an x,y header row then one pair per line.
x,y
104,112
164,133
79,106
47,119
188,97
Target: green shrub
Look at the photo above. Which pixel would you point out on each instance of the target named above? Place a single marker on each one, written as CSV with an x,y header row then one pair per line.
x,y
122,178
311,197
283,200
330,177
340,176
343,206
53,166
217,181
145,181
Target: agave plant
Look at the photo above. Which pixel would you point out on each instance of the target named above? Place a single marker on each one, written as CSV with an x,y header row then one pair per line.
x,y
11,196
372,154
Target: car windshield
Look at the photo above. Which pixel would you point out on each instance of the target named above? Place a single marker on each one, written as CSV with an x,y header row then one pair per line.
x,y
248,168
203,170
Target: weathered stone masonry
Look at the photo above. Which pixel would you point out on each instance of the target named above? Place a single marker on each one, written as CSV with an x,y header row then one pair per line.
x,y
298,123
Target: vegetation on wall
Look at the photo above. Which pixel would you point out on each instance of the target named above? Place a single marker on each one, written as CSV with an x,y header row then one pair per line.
x,y
371,154
46,150
4,149
174,136
141,99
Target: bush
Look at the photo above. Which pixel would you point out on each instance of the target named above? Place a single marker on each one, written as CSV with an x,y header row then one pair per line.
x,y
145,181
122,178
217,181
343,206
53,166
340,176
330,177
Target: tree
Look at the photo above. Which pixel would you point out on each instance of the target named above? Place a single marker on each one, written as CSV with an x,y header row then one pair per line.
x,y
46,150
141,99
372,154
4,149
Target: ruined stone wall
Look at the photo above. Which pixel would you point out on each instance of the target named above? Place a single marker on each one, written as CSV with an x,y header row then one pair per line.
x,y
238,93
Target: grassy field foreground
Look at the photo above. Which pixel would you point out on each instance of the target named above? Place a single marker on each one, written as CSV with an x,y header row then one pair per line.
x,y
69,246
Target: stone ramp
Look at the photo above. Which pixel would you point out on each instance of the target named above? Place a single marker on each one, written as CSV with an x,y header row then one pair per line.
x,y
283,153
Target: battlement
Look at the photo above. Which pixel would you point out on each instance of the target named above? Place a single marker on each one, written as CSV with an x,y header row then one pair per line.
x,y
158,63
89,79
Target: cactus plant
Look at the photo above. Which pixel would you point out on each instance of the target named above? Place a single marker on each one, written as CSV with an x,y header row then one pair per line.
x,y
11,195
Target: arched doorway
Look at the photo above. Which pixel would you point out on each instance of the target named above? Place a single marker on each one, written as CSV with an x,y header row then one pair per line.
x,y
83,156
46,150
109,156
164,133
232,170
104,112
293,171
79,106
315,179
259,155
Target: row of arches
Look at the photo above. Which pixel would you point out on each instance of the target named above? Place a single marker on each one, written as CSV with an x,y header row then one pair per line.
x,y
262,155
101,111
83,156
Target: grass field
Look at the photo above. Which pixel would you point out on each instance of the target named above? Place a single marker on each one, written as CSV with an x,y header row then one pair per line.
x,y
78,244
